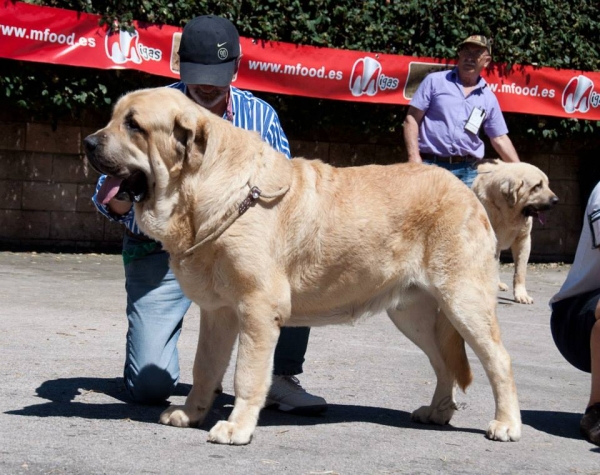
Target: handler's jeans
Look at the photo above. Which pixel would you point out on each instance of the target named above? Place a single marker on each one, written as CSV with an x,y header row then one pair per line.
x,y
465,171
155,310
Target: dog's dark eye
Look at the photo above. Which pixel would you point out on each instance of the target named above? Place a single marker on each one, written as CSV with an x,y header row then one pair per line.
x,y
132,124
537,187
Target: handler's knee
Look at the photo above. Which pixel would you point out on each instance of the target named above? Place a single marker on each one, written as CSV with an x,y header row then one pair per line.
x,y
152,385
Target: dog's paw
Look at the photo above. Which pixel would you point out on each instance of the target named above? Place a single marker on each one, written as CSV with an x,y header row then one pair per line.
x,y
182,416
225,432
430,415
504,432
502,287
521,296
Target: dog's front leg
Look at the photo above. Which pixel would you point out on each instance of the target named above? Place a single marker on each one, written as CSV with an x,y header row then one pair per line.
x,y
521,248
218,331
259,331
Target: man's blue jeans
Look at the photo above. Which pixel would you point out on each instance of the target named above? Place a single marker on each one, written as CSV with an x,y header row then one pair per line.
x,y
465,171
155,310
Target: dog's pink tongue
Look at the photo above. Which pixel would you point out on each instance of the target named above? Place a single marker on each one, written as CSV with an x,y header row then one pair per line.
x,y
109,189
541,218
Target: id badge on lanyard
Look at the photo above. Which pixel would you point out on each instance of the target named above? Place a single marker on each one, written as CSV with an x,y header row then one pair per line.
x,y
475,120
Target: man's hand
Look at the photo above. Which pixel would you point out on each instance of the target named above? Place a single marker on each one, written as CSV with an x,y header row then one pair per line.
x,y
119,207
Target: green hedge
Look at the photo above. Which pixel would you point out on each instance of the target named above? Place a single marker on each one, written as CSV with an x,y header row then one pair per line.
x,y
553,33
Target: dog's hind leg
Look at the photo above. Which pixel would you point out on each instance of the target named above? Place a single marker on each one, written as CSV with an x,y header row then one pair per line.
x,y
472,311
218,331
429,329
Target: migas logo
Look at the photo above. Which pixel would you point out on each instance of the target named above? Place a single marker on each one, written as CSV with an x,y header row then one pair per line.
x,y
122,46
579,95
367,78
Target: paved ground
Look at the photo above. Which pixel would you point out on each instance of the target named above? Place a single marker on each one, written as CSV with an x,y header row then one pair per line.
x,y
61,409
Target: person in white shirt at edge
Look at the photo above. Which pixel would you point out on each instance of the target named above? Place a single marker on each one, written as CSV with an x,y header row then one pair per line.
x,y
576,311
209,55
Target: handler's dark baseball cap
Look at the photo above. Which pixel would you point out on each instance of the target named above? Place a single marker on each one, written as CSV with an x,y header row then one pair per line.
x,y
209,48
478,40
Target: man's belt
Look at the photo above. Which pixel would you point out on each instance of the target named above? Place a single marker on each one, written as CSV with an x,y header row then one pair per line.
x,y
451,159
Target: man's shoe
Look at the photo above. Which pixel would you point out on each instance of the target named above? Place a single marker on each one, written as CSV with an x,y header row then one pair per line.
x,y
590,424
287,395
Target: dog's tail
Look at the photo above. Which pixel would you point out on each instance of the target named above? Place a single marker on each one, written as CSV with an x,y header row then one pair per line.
x,y
452,347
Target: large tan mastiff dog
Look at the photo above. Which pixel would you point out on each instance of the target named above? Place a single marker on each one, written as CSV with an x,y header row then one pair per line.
x,y
260,241
512,195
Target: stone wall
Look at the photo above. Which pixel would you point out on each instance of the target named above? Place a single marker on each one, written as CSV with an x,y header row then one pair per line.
x,y
45,189
46,185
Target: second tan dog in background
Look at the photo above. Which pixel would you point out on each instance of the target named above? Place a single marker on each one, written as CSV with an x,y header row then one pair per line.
x,y
513,194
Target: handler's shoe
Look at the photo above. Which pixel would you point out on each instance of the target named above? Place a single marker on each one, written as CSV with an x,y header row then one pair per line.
x,y
590,424
287,395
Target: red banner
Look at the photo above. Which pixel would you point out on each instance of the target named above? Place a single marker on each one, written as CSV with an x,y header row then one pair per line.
x,y
51,35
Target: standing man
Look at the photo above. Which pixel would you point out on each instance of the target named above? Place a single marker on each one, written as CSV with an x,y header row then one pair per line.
x,y
576,311
209,55
448,110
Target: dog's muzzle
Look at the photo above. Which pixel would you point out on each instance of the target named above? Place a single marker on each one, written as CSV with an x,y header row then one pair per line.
x,y
537,211
91,144
121,184
533,210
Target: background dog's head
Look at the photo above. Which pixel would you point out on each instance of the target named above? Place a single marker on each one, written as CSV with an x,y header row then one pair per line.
x,y
151,134
522,186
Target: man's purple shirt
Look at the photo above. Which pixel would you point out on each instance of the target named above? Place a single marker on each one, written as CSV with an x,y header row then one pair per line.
x,y
447,110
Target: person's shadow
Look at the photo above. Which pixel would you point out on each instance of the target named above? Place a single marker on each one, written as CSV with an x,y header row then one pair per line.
x,y
60,401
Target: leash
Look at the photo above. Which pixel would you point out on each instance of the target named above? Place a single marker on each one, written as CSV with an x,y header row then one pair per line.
x,y
253,195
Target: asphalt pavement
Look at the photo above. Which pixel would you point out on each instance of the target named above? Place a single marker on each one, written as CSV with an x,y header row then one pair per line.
x,y
63,410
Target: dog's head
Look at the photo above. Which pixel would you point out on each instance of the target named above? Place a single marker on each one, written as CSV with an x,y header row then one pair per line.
x,y
527,188
149,137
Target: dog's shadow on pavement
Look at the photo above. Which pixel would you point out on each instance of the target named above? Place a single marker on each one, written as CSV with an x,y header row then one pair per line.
x,y
78,397
75,397
340,413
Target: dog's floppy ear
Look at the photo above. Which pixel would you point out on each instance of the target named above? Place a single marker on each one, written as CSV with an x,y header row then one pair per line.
x,y
184,131
510,190
191,132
